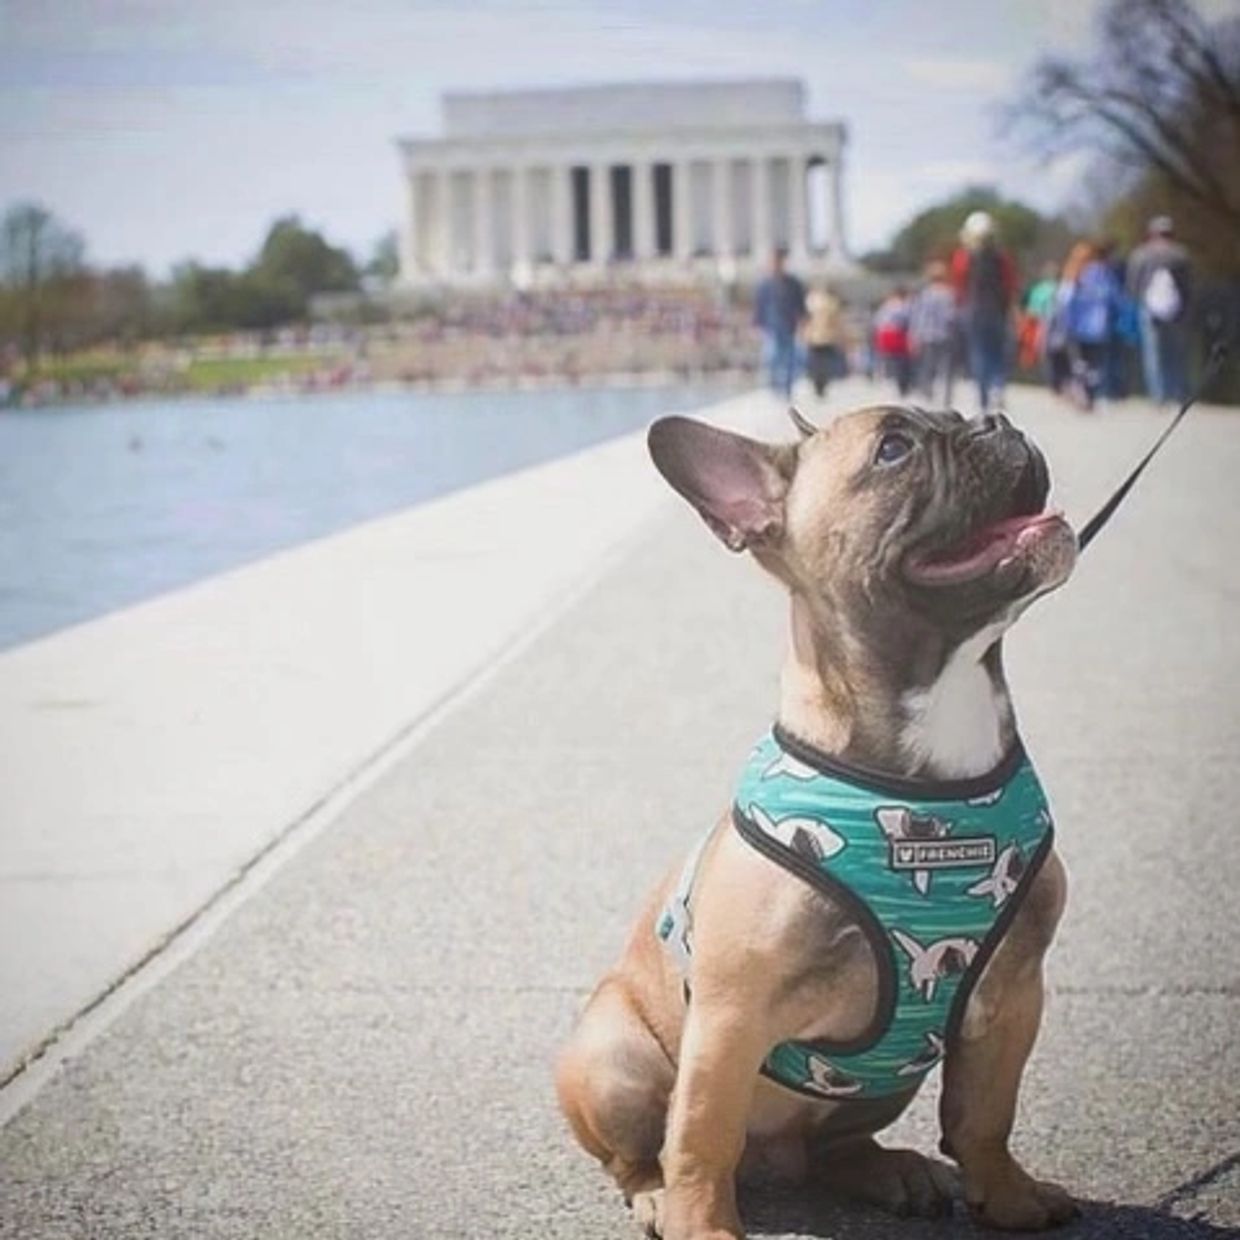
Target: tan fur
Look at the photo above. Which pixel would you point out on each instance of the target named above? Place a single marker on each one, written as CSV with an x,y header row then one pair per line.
x,y
668,1096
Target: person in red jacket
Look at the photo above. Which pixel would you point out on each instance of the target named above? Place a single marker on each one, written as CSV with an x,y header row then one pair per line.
x,y
984,278
891,338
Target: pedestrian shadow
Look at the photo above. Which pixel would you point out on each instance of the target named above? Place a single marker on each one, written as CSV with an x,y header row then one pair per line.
x,y
772,1213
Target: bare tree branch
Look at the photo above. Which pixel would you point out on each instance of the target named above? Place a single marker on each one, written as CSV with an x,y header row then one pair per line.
x,y
1172,140
1193,36
1161,93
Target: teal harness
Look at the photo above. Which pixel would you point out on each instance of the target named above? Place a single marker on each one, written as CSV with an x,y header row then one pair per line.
x,y
934,874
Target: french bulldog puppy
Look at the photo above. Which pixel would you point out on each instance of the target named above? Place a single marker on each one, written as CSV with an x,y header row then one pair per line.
x,y
908,541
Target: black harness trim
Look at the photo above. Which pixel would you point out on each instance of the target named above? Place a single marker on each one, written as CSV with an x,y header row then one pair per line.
x,y
831,887
898,785
996,935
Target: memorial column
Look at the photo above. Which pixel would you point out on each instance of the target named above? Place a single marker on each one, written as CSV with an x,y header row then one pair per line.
x,y
721,202
410,257
761,206
798,226
682,242
601,231
484,243
643,210
835,211
444,259
561,179
520,219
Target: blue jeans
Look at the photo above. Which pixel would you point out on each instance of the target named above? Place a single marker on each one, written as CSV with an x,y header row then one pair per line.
x,y
1164,355
987,358
1115,369
782,361
934,368
898,367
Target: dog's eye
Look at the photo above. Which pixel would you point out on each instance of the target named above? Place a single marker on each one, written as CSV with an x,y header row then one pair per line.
x,y
893,447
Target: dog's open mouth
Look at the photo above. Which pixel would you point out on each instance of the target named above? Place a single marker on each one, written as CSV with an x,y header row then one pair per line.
x,y
991,547
996,543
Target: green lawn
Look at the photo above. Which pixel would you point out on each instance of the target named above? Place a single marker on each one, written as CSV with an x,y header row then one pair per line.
x,y
201,375
216,372
84,367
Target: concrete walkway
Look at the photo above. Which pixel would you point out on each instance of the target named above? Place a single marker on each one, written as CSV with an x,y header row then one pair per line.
x,y
151,755
363,1048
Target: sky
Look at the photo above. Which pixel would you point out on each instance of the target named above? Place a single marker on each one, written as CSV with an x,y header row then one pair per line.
x,y
168,129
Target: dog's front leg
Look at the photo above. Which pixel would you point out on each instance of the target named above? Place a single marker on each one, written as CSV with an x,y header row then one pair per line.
x,y
981,1075
721,1052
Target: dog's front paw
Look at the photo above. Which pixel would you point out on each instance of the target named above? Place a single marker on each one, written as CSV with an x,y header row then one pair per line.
x,y
707,1232
648,1212
676,1219
901,1182
1013,1200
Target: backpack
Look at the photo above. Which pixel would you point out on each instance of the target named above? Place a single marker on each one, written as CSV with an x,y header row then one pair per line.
x,y
1127,321
985,292
891,328
1091,304
1162,296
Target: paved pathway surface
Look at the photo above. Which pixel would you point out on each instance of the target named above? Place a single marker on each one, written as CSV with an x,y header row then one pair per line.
x,y
197,726
363,1049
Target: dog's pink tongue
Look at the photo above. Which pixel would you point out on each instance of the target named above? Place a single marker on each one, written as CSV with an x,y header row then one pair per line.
x,y
980,552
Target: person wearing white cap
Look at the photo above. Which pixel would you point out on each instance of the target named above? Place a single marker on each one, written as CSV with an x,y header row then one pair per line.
x,y
1160,281
978,225
984,278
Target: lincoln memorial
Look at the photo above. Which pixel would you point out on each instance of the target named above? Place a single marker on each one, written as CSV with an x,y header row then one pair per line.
x,y
654,182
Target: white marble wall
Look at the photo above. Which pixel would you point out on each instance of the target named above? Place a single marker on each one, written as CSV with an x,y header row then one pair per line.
x,y
479,212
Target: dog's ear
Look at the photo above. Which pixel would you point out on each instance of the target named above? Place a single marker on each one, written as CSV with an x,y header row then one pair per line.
x,y
736,484
804,426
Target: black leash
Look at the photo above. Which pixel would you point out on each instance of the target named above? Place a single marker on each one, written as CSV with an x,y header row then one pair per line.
x,y
1218,355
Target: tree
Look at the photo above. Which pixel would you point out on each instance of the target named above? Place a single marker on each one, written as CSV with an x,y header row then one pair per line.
x,y
204,299
122,304
40,264
49,298
934,232
213,299
295,263
1159,99
385,258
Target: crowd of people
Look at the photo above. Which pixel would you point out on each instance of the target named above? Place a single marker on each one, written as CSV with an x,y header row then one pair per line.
x,y
570,334
1084,321
614,333
1080,325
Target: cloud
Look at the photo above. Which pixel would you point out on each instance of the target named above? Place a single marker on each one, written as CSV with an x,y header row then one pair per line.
x,y
1064,174
1067,25
992,77
167,127
953,172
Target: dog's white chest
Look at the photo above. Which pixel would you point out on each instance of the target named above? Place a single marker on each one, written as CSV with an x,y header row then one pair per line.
x,y
955,726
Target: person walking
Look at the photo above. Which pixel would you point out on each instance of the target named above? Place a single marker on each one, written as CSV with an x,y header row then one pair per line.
x,y
1059,347
1160,282
1125,329
891,339
824,338
1093,305
779,311
984,278
932,335
1039,306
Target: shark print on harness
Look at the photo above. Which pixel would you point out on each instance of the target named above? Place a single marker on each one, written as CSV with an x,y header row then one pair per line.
x,y
933,872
